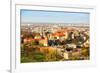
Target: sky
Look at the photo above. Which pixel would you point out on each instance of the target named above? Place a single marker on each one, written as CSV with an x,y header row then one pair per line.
x,y
36,16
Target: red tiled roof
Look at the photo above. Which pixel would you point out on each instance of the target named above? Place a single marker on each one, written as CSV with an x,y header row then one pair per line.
x,y
58,34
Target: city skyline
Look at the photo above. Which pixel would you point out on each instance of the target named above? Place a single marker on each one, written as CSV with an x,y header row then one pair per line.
x,y
35,16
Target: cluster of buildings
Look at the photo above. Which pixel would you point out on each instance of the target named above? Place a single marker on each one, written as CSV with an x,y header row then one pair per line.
x,y
67,37
44,34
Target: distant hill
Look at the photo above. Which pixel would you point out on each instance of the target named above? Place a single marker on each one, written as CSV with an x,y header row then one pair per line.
x,y
59,24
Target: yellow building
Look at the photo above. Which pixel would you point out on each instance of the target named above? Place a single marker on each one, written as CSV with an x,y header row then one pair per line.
x,y
43,42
